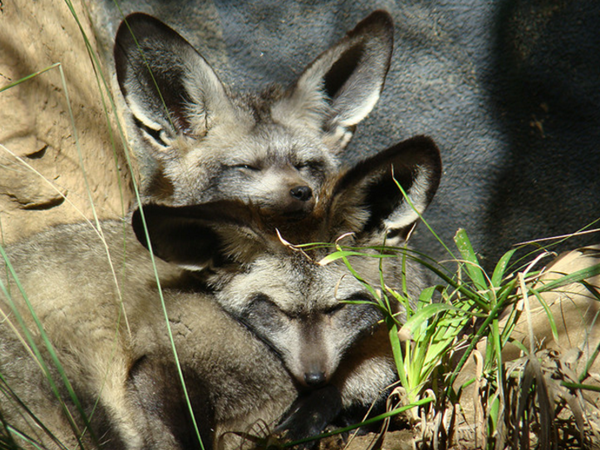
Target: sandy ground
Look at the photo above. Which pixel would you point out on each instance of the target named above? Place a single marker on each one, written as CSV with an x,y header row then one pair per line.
x,y
40,160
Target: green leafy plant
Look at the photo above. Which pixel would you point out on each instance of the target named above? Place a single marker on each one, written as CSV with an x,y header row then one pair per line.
x,y
470,315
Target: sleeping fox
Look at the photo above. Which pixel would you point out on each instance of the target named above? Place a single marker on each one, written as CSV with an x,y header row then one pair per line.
x,y
273,149
320,321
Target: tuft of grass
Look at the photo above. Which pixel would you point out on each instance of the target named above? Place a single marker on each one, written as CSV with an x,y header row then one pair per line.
x,y
470,315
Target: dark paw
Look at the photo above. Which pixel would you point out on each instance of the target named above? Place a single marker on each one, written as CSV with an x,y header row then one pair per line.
x,y
310,415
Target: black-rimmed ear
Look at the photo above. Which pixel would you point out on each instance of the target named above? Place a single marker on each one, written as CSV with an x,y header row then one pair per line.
x,y
339,88
195,236
373,186
168,85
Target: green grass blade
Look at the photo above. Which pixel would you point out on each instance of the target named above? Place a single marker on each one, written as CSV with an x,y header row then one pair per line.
x,y
574,277
397,350
501,268
344,254
472,266
424,314
431,230
29,77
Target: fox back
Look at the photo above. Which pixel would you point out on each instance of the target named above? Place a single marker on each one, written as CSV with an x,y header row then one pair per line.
x,y
274,149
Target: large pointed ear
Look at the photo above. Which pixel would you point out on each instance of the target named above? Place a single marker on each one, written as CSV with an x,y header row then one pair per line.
x,y
373,186
343,84
196,236
167,84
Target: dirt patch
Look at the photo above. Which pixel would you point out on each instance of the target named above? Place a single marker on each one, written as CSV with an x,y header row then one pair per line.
x,y
50,171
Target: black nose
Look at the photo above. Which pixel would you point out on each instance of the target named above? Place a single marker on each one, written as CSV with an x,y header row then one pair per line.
x,y
302,193
314,379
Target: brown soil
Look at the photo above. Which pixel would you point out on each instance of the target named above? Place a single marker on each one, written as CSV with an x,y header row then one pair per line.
x,y
39,160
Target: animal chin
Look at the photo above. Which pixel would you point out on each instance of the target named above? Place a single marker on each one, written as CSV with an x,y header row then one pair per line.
x,y
293,210
296,215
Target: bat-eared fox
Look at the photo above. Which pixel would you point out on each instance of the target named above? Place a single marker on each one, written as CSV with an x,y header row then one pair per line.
x,y
233,323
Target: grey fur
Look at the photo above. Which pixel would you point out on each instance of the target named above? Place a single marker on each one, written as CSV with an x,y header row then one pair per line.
x,y
106,325
68,280
274,149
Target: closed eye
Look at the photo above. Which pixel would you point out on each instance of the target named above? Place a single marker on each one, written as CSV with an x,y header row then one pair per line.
x,y
246,167
262,305
359,298
331,311
262,301
313,166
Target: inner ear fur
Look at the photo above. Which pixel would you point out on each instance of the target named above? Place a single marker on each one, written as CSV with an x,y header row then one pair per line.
x,y
154,64
372,186
343,84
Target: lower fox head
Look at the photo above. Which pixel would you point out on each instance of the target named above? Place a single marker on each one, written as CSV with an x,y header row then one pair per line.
x,y
307,307
298,308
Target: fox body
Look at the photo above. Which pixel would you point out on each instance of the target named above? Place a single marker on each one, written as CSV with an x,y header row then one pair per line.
x,y
110,336
274,149
259,325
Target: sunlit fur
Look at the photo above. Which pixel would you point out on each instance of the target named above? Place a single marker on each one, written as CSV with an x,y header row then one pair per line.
x,y
113,345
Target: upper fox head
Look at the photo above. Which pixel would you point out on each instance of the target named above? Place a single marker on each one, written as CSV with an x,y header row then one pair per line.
x,y
284,295
274,149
